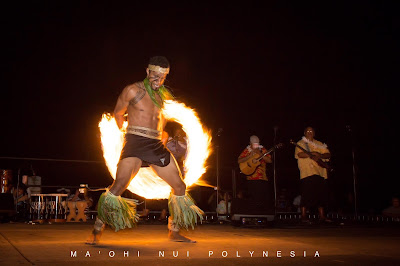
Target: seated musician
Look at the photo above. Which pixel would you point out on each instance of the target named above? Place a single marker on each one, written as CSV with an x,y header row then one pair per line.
x,y
82,194
21,200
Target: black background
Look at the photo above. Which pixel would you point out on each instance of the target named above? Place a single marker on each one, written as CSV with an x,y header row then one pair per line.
x,y
245,68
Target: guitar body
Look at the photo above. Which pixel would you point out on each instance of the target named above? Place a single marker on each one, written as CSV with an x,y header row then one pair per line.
x,y
249,167
323,164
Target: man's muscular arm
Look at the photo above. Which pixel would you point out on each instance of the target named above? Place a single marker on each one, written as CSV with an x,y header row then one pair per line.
x,y
127,95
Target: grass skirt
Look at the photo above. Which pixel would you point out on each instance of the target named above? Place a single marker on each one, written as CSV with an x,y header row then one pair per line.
x,y
184,212
116,211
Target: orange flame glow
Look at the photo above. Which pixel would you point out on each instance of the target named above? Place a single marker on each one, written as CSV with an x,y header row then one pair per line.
x,y
146,183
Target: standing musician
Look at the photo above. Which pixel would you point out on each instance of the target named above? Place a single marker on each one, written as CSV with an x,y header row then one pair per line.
x,y
313,177
143,102
258,186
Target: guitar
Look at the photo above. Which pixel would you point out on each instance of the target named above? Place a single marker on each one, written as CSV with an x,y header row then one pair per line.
x,y
319,161
249,167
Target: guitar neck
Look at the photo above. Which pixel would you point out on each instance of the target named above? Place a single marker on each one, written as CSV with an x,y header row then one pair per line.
x,y
301,148
319,161
266,153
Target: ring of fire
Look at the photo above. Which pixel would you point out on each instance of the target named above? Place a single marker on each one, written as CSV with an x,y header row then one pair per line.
x,y
146,183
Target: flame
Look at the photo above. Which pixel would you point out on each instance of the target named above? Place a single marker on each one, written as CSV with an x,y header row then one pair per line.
x,y
146,183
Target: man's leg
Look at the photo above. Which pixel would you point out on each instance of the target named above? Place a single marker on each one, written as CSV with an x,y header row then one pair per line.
x,y
303,213
323,200
171,175
306,195
163,215
321,213
127,169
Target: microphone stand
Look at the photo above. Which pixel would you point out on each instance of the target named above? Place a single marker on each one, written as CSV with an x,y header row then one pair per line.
x,y
275,129
217,174
16,192
354,171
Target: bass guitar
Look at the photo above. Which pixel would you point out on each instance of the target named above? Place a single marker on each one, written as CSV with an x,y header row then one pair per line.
x,y
249,167
319,161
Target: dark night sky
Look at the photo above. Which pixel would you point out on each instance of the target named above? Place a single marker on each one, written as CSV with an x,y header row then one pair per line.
x,y
246,68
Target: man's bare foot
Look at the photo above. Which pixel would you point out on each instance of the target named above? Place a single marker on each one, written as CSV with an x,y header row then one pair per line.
x,y
176,237
94,237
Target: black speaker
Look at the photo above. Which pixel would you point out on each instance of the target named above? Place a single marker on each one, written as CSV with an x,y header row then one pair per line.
x,y
248,206
6,201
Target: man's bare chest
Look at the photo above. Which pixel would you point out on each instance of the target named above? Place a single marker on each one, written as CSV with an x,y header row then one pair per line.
x,y
142,103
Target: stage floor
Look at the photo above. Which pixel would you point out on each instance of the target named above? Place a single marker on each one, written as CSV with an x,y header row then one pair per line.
x,y
63,244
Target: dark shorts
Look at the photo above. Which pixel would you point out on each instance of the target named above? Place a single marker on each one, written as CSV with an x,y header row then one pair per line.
x,y
150,151
314,191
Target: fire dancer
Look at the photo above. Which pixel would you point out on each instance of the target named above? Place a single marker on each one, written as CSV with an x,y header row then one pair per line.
x,y
143,101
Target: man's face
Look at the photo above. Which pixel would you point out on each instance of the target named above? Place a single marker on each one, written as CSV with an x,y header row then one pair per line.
x,y
309,133
255,145
156,79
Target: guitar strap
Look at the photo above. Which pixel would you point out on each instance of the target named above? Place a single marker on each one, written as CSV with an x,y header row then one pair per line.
x,y
307,148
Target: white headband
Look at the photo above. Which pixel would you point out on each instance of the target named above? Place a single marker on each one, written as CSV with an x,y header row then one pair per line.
x,y
158,69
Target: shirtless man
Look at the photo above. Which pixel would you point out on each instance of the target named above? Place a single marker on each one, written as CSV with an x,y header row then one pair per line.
x,y
143,147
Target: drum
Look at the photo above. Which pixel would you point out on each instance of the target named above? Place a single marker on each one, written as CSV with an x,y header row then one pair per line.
x,y
55,206
5,181
38,208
